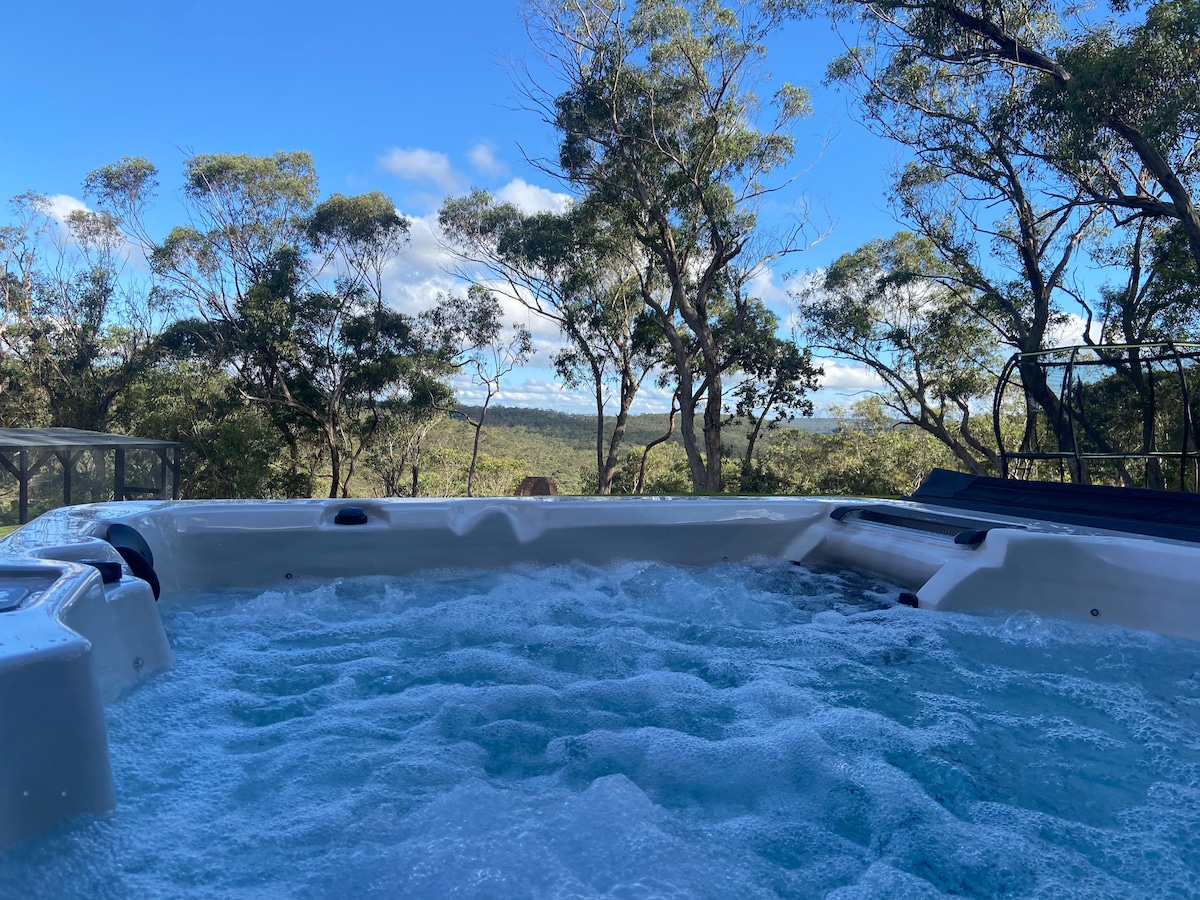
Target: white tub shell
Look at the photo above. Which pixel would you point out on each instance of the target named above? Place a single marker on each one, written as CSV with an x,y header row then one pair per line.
x,y
69,643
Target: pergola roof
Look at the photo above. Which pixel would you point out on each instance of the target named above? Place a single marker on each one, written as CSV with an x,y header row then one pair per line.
x,y
72,439
24,451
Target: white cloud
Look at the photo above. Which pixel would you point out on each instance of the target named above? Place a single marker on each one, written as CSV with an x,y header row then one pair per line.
x,y
60,206
414,278
847,378
1070,332
419,164
483,159
519,388
535,388
530,198
423,270
766,286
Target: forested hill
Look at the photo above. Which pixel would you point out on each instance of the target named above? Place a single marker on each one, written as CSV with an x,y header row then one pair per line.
x,y
579,431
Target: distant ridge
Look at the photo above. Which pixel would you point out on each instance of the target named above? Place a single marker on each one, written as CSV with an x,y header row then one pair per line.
x,y
579,430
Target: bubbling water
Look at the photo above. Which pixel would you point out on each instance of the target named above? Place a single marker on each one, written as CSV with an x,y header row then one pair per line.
x,y
639,730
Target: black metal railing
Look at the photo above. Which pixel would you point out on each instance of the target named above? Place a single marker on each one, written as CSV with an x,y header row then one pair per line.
x,y
1094,409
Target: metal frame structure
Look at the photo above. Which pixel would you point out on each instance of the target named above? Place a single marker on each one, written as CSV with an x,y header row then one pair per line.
x,y
23,451
1107,355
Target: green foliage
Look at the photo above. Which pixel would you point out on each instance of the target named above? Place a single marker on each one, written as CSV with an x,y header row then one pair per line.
x,y
392,460
776,375
447,472
507,456
365,220
1119,400
1143,76
667,471
76,325
359,235
289,295
467,333
267,196
1103,110
229,448
124,187
579,272
661,134
22,403
870,455
895,307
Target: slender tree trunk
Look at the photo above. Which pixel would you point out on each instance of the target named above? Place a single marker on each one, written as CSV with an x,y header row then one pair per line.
x,y
1033,379
752,437
420,431
293,445
641,479
961,453
603,486
629,386
695,315
1144,386
475,446
366,437
335,468
712,434
687,431
686,402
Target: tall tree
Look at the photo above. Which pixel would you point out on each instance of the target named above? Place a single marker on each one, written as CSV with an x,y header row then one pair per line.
x,y
1006,222
1065,121
776,380
81,327
1112,104
582,275
408,416
887,307
21,402
230,449
471,338
288,293
659,126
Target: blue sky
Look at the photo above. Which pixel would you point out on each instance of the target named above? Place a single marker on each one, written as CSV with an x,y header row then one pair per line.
x,y
410,99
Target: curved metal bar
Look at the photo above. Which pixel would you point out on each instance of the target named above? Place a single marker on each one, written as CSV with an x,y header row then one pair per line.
x,y
997,402
1189,423
1164,352
1064,401
1150,442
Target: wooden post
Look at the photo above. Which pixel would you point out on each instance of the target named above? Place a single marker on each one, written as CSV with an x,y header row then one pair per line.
x,y
67,458
162,473
23,486
175,472
119,474
100,467
8,465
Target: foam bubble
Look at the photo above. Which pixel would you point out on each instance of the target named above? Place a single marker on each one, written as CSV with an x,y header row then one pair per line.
x,y
639,730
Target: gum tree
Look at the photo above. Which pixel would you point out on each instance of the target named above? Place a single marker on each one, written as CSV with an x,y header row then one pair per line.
x,y
1036,133
470,338
287,294
579,273
897,309
1113,104
78,327
776,379
661,130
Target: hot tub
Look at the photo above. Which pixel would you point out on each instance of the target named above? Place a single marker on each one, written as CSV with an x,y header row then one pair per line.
x,y
78,627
